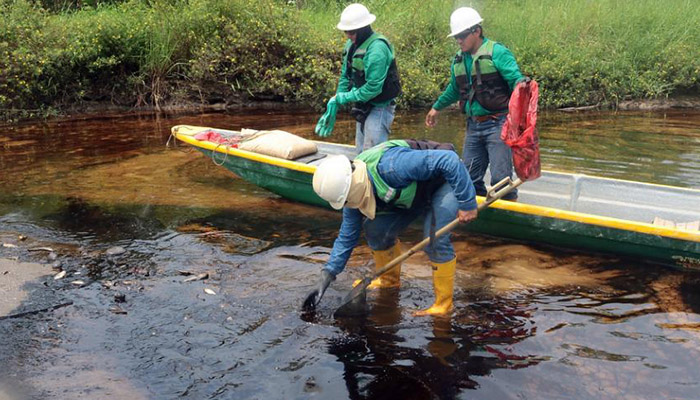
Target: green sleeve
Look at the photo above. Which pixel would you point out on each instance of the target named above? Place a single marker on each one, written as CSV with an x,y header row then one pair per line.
x,y
504,61
344,82
377,62
450,95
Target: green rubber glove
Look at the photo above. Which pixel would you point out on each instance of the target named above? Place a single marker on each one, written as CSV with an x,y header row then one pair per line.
x,y
325,124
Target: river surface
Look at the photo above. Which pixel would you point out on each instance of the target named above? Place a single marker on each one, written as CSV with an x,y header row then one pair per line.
x,y
103,199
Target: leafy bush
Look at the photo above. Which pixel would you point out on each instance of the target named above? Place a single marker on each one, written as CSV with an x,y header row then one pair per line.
x,y
157,52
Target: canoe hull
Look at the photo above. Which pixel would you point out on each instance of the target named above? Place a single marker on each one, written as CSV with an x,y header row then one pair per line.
x,y
519,221
290,184
571,234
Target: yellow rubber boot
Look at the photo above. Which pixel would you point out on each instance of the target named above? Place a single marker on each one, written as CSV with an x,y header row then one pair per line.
x,y
391,278
443,285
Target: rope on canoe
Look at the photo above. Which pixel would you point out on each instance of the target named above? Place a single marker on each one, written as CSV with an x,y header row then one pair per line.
x,y
213,159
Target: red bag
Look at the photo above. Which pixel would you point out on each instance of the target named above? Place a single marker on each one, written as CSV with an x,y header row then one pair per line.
x,y
520,130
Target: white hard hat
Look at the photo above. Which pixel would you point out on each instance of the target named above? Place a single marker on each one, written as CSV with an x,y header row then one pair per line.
x,y
355,16
462,19
332,180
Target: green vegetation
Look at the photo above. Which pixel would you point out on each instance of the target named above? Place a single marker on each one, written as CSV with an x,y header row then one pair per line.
x,y
61,54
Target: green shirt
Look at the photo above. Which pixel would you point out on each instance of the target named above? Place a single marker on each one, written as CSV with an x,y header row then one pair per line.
x,y
377,62
503,60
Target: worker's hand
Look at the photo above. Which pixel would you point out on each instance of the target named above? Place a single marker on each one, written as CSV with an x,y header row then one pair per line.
x,y
325,124
431,118
466,216
314,297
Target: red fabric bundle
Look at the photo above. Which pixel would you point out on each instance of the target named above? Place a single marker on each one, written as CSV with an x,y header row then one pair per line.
x,y
215,137
210,136
520,130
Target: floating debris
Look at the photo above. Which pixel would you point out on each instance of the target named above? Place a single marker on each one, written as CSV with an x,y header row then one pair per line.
x,y
9,245
78,283
198,277
49,249
21,237
116,250
59,275
117,310
185,272
209,291
120,298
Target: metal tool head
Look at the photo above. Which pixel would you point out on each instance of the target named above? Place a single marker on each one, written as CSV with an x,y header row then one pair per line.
x,y
355,302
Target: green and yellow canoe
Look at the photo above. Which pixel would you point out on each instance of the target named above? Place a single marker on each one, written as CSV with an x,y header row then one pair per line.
x,y
562,209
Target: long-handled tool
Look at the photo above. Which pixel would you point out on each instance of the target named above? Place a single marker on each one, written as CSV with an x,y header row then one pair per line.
x,y
355,301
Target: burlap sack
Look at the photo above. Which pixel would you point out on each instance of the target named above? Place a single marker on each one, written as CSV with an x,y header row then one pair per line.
x,y
277,144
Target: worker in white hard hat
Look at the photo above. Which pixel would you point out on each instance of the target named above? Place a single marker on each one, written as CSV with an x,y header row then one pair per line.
x,y
484,74
383,190
369,80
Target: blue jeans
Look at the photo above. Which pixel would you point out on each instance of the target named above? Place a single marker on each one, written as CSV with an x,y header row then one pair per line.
x,y
375,129
382,231
483,146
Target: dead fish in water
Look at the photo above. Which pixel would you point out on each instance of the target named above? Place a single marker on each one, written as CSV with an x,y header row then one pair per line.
x,y
59,275
9,245
199,277
78,283
209,291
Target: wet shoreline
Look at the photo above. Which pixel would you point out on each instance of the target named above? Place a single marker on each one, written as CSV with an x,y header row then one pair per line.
x,y
109,110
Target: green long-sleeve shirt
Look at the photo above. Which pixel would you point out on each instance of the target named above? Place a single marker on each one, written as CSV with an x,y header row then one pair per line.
x,y
377,61
503,60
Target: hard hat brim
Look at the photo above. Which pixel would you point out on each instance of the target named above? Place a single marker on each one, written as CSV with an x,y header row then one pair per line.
x,y
351,27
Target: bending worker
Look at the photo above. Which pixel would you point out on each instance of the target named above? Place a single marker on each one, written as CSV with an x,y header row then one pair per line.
x,y
369,79
383,190
484,74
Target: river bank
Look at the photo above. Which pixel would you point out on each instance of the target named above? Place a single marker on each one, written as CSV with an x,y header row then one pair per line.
x,y
108,109
141,55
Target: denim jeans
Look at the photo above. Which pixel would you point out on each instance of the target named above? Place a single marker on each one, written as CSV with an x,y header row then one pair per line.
x,y
483,146
375,129
382,231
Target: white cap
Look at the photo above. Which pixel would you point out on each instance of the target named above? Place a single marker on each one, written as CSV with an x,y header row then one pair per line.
x,y
355,16
462,19
332,180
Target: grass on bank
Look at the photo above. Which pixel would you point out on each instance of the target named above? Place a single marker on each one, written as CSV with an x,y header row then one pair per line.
x,y
158,52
